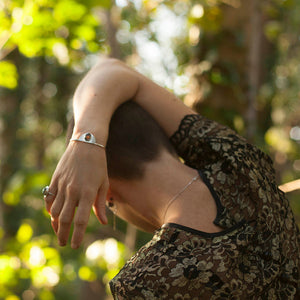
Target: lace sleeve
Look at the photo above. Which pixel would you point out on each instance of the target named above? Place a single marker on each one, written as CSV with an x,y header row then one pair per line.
x,y
200,142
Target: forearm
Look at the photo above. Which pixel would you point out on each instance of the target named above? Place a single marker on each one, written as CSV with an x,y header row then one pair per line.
x,y
110,84
103,89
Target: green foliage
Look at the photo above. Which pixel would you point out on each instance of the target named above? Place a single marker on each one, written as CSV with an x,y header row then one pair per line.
x,y
8,75
46,45
33,265
64,29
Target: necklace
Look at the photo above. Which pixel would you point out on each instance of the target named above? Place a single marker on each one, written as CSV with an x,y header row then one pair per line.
x,y
179,193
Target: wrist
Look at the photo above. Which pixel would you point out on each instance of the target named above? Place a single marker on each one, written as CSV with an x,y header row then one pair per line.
x,y
99,131
87,138
89,135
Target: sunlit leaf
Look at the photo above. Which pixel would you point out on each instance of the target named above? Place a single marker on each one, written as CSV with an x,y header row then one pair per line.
x,y
8,74
93,47
6,270
76,44
46,295
24,233
10,198
85,32
85,273
68,10
12,297
277,138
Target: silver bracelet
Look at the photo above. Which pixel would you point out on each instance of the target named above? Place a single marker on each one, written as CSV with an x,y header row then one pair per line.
x,y
88,138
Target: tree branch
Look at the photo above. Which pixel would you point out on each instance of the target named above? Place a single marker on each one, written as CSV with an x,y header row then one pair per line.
x,y
290,186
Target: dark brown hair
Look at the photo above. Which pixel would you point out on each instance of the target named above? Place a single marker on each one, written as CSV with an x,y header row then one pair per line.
x,y
134,139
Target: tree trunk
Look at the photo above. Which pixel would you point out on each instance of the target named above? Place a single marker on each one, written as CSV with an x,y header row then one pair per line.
x,y
111,30
10,144
241,56
254,69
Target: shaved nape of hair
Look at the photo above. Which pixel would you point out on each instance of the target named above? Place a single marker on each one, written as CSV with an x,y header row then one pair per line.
x,y
134,139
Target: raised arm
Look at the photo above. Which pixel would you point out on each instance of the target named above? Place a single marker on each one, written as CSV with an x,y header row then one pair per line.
x,y
80,178
111,83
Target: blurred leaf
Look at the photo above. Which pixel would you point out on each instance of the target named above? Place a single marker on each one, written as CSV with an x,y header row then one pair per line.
x,y
12,297
272,30
85,32
68,10
85,273
24,233
7,270
46,295
277,138
8,74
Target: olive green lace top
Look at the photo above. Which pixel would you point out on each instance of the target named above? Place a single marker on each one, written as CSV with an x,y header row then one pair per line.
x,y
257,255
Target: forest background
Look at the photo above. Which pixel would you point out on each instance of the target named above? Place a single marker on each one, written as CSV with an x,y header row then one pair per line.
x,y
234,61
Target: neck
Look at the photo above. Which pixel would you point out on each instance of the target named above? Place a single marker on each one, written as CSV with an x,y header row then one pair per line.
x,y
153,197
174,198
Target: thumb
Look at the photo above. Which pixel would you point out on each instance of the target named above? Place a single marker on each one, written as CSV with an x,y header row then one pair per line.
x,y
99,204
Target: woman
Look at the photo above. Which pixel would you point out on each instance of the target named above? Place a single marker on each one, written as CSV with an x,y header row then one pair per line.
x,y
223,229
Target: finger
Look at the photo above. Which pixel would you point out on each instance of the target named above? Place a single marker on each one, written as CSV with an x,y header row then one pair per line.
x,y
52,192
57,205
49,199
99,204
80,222
65,221
48,202
54,224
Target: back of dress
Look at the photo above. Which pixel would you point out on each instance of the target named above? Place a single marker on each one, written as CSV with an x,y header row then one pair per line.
x,y
243,178
256,256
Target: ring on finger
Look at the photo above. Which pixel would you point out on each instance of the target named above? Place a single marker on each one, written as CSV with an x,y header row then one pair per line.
x,y
46,192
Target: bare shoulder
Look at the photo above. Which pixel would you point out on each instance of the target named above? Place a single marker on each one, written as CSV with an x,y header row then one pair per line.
x,y
198,210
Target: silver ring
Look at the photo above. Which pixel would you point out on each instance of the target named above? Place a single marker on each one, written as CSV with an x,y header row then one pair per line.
x,y
46,192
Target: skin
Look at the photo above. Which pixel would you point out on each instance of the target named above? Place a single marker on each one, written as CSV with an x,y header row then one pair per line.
x,y
144,202
77,183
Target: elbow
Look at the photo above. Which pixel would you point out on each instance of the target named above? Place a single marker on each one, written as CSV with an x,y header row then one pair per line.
x,y
108,62
109,67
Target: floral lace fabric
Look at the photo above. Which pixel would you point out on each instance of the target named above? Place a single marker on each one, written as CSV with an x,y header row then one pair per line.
x,y
257,256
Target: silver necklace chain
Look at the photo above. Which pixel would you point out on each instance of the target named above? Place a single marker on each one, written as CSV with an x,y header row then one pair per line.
x,y
179,193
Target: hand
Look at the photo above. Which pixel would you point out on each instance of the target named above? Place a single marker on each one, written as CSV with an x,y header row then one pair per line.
x,y
80,179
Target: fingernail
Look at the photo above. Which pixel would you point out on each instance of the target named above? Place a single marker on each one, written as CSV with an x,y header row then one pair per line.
x,y
62,243
104,219
74,246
